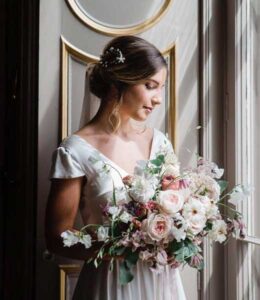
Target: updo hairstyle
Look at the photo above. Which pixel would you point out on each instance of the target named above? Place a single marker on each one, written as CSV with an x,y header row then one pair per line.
x,y
141,61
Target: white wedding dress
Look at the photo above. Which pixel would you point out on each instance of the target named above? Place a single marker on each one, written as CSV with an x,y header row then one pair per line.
x,y
75,157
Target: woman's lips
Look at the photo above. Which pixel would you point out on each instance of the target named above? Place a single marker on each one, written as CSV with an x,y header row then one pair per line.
x,y
148,108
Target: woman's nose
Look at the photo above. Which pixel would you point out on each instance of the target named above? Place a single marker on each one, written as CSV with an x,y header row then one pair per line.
x,y
157,99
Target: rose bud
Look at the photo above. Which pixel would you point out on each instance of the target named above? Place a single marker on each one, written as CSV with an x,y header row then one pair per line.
x,y
196,261
127,180
136,223
151,205
168,183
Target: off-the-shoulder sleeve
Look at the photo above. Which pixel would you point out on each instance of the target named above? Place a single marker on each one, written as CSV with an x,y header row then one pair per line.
x,y
64,165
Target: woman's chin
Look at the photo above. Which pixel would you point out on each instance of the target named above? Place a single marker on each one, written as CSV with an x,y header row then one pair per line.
x,y
140,118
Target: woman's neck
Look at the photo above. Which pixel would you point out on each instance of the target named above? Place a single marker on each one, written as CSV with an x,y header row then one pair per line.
x,y
101,120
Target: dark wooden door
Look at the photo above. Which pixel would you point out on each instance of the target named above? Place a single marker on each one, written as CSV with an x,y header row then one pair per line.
x,y
18,146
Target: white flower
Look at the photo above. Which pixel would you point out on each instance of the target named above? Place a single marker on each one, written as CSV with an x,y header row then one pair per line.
x,y
201,184
114,211
211,209
170,201
102,233
194,214
171,159
209,168
171,170
239,193
178,233
143,188
86,240
69,238
157,226
219,231
125,217
145,255
121,196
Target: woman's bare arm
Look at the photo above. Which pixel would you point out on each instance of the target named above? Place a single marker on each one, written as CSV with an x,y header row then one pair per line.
x,y
62,207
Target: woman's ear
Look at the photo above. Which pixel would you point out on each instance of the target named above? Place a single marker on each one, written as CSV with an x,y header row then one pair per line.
x,y
114,93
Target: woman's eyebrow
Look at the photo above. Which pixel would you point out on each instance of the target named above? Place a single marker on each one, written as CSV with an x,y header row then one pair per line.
x,y
155,81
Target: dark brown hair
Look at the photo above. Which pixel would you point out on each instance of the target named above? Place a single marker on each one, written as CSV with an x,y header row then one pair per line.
x,y
142,60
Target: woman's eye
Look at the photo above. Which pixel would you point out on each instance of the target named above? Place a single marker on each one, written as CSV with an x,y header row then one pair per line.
x,y
150,86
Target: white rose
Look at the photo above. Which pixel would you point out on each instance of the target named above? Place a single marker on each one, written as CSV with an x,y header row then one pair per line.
x,y
219,231
171,201
102,233
157,226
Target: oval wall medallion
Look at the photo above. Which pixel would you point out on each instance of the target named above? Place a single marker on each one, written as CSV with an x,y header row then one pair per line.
x,y
117,17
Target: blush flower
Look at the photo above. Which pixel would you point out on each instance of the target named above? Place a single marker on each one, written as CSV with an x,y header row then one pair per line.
x,y
170,201
157,226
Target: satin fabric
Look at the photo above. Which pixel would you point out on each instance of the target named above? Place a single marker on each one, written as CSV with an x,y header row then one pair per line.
x,y
75,157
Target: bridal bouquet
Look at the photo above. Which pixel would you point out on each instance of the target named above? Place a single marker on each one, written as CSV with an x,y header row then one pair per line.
x,y
161,215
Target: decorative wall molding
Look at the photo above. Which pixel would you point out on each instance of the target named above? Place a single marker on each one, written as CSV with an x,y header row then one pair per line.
x,y
113,31
68,276
69,50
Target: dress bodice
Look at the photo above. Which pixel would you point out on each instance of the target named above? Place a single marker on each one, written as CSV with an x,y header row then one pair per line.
x,y
76,157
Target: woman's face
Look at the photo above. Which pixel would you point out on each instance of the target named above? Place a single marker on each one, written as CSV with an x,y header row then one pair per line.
x,y
140,99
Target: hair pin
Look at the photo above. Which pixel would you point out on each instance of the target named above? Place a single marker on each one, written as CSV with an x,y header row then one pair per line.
x,y
112,56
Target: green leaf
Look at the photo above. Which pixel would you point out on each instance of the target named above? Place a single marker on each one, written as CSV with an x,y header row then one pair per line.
x,y
208,226
131,258
114,194
125,274
119,250
158,161
223,185
174,246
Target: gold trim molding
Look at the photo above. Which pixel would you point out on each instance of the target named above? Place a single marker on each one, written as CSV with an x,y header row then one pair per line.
x,y
111,31
171,116
172,105
69,50
65,271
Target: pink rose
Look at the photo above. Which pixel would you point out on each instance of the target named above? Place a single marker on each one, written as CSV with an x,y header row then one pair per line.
x,y
168,183
157,226
170,201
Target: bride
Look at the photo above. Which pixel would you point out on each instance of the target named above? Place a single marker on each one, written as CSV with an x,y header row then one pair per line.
x,y
129,79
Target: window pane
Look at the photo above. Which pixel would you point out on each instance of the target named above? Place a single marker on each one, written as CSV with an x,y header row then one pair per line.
x,y
254,116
